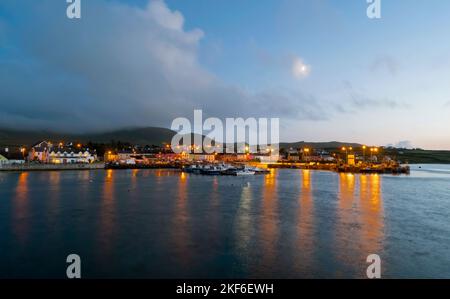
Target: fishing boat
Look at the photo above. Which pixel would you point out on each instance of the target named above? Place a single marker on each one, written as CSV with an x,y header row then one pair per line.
x,y
244,172
258,170
212,170
193,169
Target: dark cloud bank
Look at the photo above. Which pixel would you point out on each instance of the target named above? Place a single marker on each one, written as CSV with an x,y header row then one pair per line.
x,y
119,66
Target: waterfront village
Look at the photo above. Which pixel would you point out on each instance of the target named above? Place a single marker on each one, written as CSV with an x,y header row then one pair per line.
x,y
46,155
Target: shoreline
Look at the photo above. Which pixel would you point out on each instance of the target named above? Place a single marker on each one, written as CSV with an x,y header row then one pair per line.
x,y
51,167
180,167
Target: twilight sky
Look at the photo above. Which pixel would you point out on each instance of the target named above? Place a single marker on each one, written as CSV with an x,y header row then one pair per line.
x,y
325,69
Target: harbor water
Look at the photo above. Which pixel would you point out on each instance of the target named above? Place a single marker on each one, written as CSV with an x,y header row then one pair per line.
x,y
169,224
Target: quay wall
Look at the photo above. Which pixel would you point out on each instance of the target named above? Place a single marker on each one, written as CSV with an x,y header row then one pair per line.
x,y
44,167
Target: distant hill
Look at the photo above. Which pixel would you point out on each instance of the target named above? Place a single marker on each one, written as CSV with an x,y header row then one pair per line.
x,y
141,136
159,136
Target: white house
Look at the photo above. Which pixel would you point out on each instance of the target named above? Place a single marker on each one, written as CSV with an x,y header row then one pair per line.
x,y
67,156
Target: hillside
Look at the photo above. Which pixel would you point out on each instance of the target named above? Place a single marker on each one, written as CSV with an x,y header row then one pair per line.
x,y
142,136
419,156
158,136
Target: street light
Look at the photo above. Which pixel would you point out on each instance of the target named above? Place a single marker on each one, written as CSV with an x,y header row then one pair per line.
x,y
364,152
306,152
346,154
22,150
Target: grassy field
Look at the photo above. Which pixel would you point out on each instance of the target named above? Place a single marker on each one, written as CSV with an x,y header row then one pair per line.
x,y
419,156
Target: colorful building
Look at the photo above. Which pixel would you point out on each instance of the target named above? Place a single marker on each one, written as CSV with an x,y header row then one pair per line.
x,y
39,152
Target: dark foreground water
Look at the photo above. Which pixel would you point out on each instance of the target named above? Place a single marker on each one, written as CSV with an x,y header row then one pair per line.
x,y
165,224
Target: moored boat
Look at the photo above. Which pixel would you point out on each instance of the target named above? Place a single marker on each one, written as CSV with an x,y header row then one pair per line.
x,y
245,171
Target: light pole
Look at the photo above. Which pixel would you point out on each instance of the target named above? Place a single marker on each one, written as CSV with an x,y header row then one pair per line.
x,y
364,152
306,151
22,150
344,149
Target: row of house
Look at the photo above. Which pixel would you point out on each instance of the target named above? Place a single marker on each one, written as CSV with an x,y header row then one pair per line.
x,y
137,157
46,152
308,155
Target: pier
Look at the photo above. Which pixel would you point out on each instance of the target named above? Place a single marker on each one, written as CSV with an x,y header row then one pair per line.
x,y
362,168
262,168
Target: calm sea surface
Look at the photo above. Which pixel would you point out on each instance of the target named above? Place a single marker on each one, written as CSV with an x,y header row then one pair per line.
x,y
166,224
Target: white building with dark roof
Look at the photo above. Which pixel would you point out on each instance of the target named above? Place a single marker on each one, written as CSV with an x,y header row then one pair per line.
x,y
70,156
46,152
